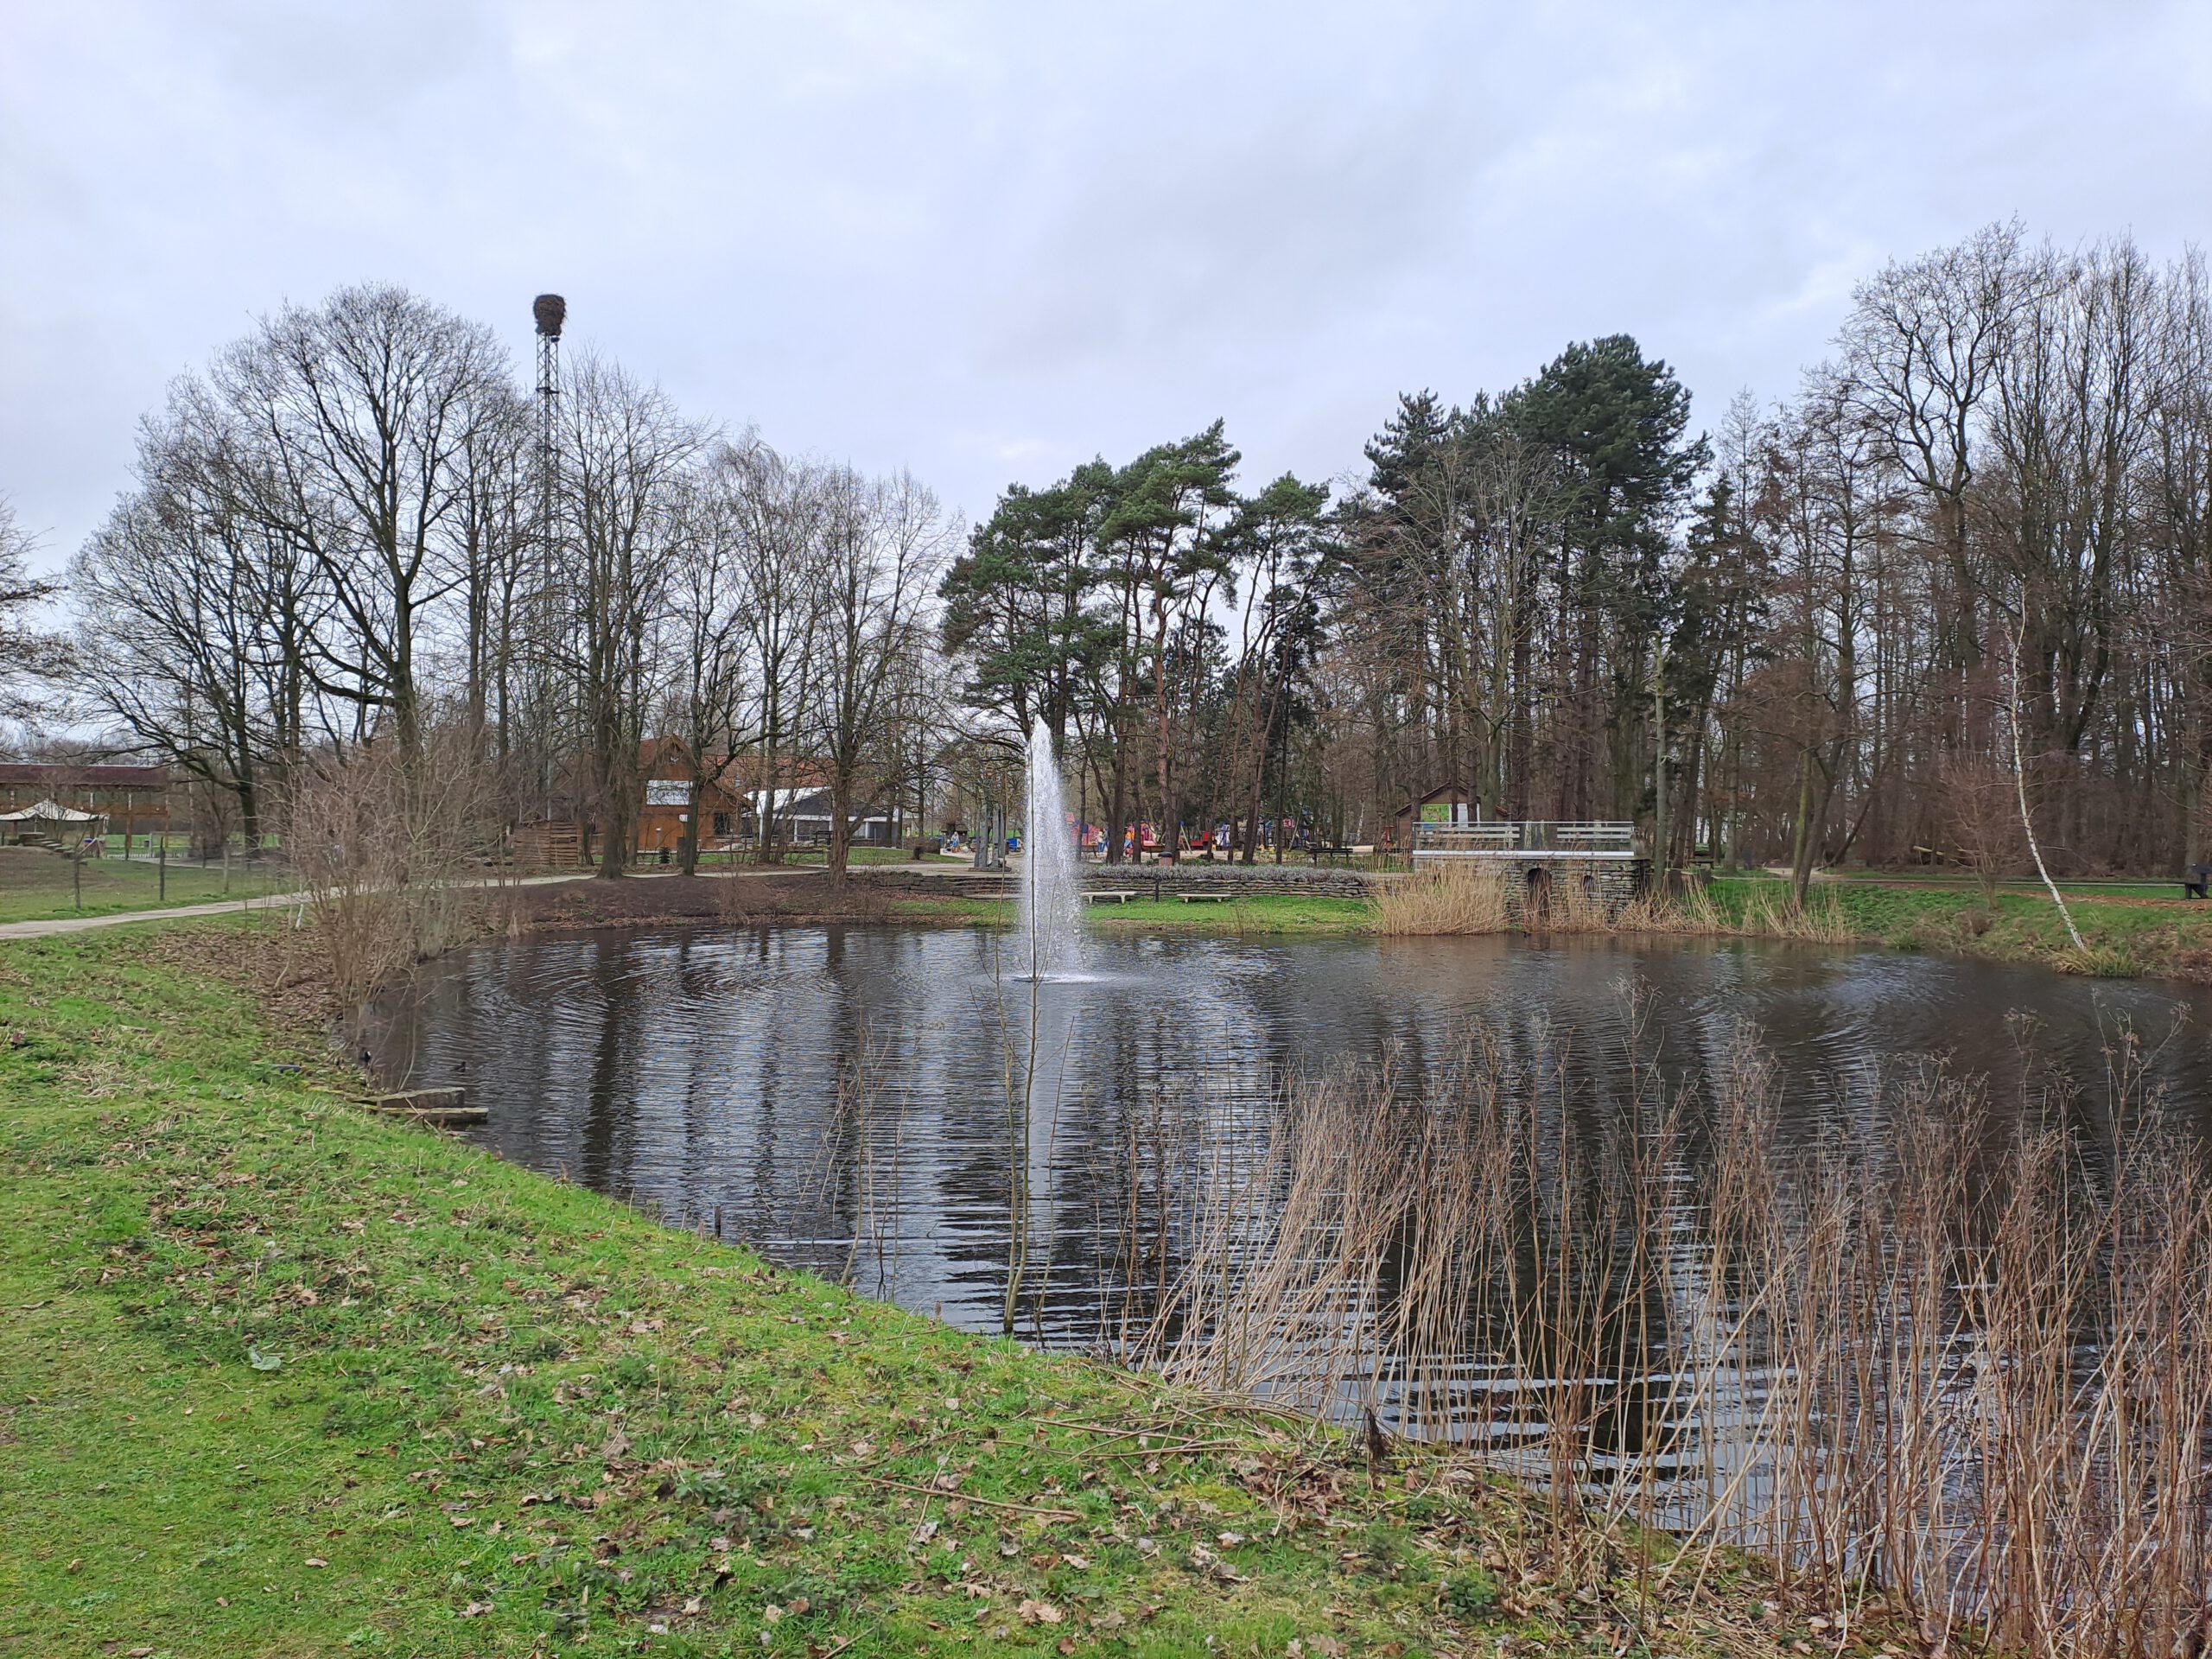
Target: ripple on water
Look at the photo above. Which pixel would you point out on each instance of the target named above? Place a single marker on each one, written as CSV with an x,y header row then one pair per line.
x,y
865,1098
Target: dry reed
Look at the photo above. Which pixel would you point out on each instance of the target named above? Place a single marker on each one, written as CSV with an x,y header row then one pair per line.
x,y
1444,896
385,842
1453,896
1965,1372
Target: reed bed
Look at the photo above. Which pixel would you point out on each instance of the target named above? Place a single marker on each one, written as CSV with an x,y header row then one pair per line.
x,y
1444,897
1820,919
1449,897
1959,1371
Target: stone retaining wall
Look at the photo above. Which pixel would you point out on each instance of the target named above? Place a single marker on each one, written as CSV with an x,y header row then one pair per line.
x,y
1615,882
1296,879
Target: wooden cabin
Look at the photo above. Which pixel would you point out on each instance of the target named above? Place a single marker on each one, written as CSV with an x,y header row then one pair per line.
x,y
663,810
732,804
666,811
1450,805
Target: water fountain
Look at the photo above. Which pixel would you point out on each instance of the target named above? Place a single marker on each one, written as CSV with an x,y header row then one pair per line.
x,y
1050,944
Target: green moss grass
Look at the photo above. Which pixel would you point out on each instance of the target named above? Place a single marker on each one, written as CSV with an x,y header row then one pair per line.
x,y
277,1377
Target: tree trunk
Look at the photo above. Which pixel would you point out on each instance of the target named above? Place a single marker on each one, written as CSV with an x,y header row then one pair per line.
x,y
1801,852
840,832
688,846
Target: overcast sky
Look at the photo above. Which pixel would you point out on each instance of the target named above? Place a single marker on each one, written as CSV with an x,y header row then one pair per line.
x,y
989,241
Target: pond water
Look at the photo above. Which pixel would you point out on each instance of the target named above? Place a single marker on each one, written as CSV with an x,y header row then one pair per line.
x,y
866,1103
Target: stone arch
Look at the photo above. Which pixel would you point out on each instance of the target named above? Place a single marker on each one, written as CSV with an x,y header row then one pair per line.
x,y
1536,894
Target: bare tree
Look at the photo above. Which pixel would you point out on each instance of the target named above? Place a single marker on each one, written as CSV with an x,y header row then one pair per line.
x,y
491,565
707,695
774,513
24,652
370,406
1985,819
2176,520
626,528
1923,347
2020,784
884,545
196,614
386,843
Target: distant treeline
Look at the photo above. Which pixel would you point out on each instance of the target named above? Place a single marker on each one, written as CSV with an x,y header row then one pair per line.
x,y
1975,542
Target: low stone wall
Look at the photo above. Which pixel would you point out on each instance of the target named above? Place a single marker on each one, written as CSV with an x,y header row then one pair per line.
x,y
1614,882
1302,880
1167,880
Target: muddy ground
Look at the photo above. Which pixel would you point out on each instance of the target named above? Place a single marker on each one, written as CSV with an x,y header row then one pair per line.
x,y
766,896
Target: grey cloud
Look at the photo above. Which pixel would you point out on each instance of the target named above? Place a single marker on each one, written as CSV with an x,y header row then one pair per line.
x,y
989,240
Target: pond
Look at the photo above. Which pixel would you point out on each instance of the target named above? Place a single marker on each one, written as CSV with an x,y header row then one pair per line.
x,y
1895,1267
866,1102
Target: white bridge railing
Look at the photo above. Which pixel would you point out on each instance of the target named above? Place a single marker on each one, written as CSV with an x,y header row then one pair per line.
x,y
1533,840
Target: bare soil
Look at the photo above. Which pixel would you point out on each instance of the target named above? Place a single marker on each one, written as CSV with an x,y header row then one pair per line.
x,y
763,896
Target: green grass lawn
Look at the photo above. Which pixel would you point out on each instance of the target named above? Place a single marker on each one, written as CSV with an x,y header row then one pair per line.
x,y
1266,912
280,1377
2135,887
36,884
818,858
2128,930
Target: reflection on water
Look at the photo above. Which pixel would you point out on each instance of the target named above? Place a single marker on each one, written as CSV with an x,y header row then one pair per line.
x,y
866,1102
1811,1293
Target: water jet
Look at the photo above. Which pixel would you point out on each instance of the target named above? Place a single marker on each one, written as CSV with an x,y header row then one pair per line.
x,y
1051,899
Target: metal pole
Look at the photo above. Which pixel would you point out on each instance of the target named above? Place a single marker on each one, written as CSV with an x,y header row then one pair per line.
x,y
161,869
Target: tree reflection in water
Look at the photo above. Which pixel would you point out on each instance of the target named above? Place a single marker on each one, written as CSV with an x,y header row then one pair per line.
x,y
1684,1232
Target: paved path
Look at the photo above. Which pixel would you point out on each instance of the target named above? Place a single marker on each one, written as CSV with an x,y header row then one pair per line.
x,y
57,925
54,924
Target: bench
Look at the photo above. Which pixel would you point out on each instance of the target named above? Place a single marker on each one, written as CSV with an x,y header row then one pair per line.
x,y
1206,898
1110,896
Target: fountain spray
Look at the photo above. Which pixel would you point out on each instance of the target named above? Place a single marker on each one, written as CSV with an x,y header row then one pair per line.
x,y
1051,922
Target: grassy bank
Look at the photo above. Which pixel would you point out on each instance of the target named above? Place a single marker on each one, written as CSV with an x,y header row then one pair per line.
x,y
277,1377
1258,913
2128,933
2129,929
